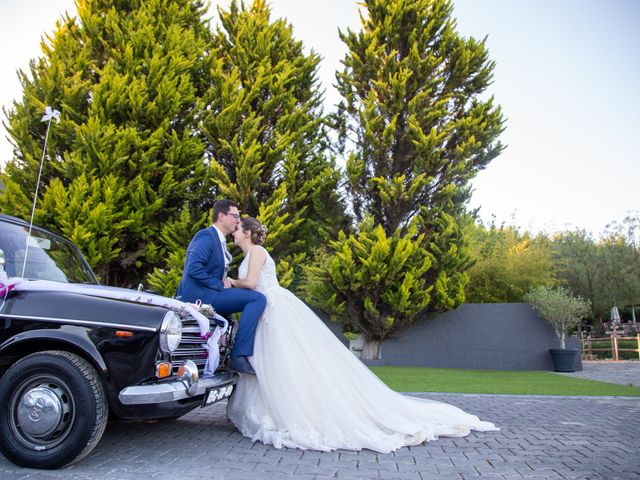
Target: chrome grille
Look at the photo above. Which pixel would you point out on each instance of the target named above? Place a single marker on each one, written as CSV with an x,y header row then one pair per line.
x,y
192,345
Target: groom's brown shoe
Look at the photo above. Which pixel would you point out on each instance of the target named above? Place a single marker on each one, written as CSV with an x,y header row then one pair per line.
x,y
241,365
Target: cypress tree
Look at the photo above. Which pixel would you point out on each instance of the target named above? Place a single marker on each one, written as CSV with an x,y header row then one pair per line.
x,y
373,282
266,135
128,77
416,131
411,89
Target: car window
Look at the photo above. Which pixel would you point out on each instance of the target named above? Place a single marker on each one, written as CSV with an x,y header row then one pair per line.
x,y
48,257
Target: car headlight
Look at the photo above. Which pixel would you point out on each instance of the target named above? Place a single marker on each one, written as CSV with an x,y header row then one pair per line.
x,y
170,332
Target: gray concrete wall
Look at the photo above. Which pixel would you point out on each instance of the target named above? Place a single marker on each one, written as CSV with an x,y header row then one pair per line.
x,y
494,336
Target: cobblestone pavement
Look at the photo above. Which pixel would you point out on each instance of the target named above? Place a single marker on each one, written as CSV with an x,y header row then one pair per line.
x,y
625,372
540,438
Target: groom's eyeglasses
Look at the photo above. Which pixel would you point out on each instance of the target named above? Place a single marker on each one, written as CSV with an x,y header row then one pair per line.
x,y
234,215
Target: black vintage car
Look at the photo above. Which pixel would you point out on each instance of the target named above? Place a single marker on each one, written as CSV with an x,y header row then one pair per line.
x,y
69,358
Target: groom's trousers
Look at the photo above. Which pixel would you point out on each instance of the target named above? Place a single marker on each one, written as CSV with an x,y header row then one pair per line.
x,y
251,304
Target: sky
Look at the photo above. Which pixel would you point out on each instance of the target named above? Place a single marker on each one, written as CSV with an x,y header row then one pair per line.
x,y
567,75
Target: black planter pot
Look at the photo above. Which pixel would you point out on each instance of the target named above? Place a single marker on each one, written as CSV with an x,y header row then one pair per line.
x,y
564,359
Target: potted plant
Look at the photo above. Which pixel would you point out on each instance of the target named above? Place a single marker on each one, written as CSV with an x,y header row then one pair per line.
x,y
563,311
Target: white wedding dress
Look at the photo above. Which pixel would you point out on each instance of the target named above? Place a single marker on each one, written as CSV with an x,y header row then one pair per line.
x,y
311,392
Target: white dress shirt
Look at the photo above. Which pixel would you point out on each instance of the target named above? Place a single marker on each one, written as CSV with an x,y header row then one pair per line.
x,y
227,255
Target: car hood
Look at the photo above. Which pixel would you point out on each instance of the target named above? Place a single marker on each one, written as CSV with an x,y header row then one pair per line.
x,y
89,303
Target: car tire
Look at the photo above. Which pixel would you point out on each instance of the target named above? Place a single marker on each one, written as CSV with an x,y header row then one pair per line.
x,y
53,410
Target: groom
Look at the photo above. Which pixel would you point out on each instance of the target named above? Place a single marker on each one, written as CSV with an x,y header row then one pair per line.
x,y
205,279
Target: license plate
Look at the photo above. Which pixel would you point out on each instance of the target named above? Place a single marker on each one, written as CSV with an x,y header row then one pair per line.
x,y
212,395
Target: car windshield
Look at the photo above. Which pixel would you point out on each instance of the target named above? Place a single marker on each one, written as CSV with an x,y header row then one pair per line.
x,y
49,257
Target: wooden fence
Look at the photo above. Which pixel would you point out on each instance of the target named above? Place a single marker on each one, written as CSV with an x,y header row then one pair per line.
x,y
586,344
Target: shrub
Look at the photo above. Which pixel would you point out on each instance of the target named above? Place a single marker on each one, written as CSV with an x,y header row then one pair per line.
x,y
558,307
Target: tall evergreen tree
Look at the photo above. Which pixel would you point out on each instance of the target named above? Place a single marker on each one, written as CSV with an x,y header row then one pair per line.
x,y
128,77
417,132
266,136
372,281
411,89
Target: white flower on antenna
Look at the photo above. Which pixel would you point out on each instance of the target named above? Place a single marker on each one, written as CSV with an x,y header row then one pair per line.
x,y
50,113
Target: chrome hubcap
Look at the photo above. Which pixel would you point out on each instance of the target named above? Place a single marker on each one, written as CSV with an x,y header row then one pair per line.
x,y
42,412
39,412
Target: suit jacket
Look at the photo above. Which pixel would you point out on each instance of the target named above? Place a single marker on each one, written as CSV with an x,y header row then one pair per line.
x,y
203,268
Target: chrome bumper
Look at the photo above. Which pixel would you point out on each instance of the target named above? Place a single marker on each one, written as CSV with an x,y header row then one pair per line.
x,y
175,390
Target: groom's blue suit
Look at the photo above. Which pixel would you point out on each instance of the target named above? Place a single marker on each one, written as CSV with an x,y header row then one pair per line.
x,y
204,270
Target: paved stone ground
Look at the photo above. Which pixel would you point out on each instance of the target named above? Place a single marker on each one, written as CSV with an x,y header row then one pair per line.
x,y
625,372
540,438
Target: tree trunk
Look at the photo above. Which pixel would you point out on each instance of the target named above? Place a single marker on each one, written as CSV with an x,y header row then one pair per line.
x,y
371,349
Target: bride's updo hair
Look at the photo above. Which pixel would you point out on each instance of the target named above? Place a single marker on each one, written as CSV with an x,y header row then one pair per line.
x,y
257,229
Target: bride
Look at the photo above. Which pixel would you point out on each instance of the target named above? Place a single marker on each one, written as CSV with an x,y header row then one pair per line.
x,y
310,391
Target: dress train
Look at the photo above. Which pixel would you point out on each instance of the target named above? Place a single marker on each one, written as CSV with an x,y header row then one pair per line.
x,y
311,392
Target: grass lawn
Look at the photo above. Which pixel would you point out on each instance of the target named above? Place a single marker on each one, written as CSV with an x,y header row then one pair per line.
x,y
416,379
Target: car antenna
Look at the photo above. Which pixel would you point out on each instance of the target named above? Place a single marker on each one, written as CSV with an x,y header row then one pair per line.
x,y
49,113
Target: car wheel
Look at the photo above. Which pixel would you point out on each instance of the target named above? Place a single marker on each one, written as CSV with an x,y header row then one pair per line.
x,y
53,410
